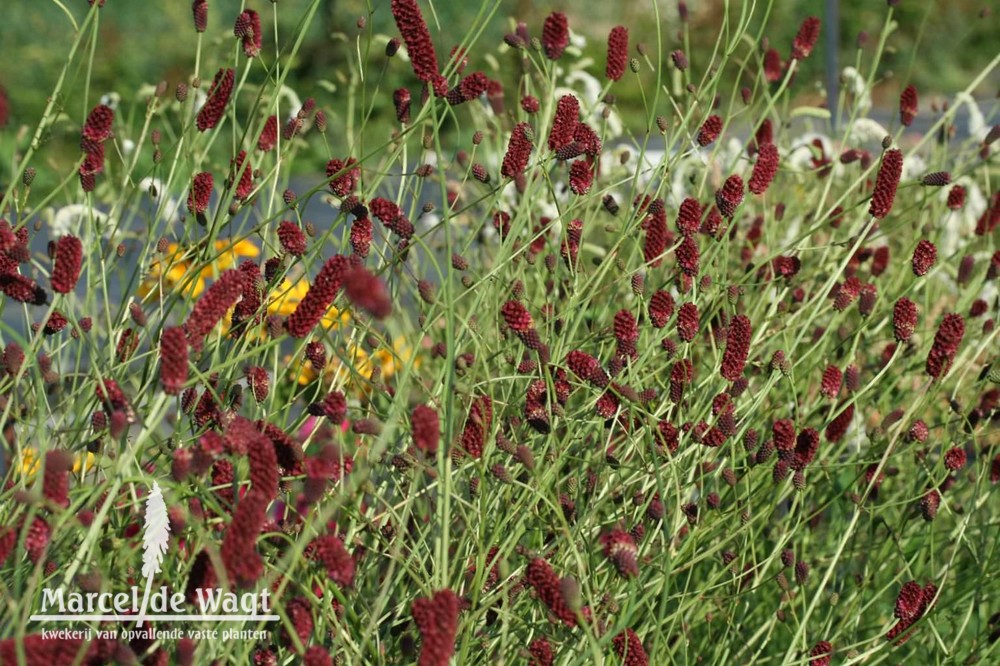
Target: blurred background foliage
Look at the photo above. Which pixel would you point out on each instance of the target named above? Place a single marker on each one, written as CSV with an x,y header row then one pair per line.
x,y
939,46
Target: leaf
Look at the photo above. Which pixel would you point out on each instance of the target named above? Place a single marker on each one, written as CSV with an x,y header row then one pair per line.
x,y
156,534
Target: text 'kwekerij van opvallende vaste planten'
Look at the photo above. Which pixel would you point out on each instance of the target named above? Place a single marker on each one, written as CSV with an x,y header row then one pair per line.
x,y
514,339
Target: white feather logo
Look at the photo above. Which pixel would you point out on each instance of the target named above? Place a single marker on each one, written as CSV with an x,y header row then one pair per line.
x,y
155,538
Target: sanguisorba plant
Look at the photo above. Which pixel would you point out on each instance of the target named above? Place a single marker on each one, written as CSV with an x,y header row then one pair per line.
x,y
504,380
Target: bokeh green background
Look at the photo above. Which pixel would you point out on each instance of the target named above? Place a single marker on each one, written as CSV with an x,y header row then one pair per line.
x,y
939,46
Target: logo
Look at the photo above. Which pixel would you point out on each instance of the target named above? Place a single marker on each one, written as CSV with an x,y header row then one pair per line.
x,y
142,604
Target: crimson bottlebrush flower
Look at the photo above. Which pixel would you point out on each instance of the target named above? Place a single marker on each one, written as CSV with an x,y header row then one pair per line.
x,y
368,292
518,151
620,548
924,257
517,317
908,105
361,236
730,196
217,99
37,539
564,124
588,368
764,169
201,192
291,238
247,30
689,217
806,38
628,646
426,429
539,651
661,308
830,385
472,86
97,127
333,407
530,104
436,618
258,381
67,263
886,183
299,614
679,59
929,504
581,176
626,333
555,35
22,289
820,654
316,355
540,576
268,135
570,247
617,53
401,100
783,435
912,603
212,307
55,481
734,359
837,428
918,432
936,179
657,237
956,197
946,342
319,297
681,374
199,8
241,174
343,175
249,306
173,360
806,446
316,656
238,551
477,425
13,358
329,551
773,66
710,130
688,322
419,45
954,458
688,256
904,319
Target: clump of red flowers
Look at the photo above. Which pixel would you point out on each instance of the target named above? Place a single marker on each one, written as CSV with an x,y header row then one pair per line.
x,y
737,347
555,35
218,97
924,257
912,603
946,342
617,53
806,38
886,183
419,45
436,618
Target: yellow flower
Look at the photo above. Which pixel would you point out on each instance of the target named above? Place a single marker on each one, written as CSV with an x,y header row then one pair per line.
x,y
352,368
31,464
176,271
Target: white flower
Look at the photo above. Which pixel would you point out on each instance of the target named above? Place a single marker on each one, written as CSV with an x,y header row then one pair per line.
x,y
111,100
70,219
866,130
854,83
128,145
977,127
